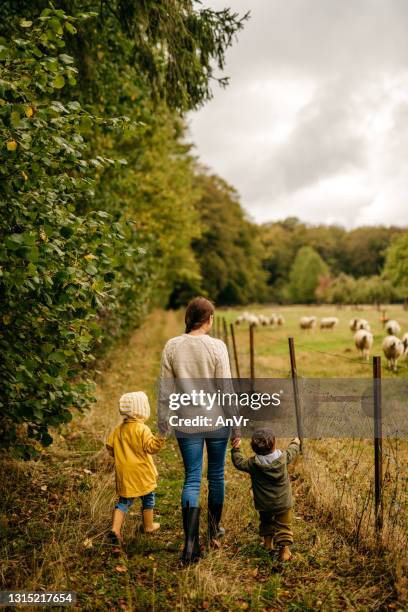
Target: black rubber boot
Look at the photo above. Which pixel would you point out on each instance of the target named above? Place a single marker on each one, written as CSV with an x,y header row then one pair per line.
x,y
191,524
215,532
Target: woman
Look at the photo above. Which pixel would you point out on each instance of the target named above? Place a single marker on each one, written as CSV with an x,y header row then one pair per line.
x,y
196,355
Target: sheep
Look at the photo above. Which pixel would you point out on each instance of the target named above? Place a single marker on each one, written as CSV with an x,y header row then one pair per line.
x,y
356,324
363,340
393,349
243,318
404,341
307,322
280,320
392,327
328,322
273,319
263,320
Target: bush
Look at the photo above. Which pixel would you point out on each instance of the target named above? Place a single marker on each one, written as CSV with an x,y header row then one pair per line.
x,y
57,267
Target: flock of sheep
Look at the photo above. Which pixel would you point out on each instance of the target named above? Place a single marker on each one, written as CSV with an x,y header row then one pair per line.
x,y
253,319
393,346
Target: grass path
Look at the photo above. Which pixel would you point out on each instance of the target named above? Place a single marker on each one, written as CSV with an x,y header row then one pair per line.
x,y
55,513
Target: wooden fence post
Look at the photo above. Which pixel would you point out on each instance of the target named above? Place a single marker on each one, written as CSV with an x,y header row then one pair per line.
x,y
217,327
378,454
234,348
251,352
296,390
226,340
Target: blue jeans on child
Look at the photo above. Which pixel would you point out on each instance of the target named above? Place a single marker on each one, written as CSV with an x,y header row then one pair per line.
x,y
125,503
191,449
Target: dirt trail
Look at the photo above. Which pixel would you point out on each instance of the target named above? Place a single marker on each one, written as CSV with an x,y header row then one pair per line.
x,y
69,547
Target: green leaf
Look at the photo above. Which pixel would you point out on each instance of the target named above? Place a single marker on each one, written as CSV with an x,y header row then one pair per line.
x,y
59,82
26,24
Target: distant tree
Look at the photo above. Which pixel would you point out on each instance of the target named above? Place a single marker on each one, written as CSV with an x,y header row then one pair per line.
x,y
228,252
396,263
343,290
305,275
376,290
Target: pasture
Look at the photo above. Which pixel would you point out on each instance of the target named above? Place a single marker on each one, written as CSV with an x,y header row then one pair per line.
x,y
319,353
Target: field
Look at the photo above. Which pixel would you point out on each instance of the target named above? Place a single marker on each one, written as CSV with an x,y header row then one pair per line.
x,y
319,353
55,515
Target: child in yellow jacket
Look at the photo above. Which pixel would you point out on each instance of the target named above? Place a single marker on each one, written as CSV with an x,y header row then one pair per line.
x,y
132,445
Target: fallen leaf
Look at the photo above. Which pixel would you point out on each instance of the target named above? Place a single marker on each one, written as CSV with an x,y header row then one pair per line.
x,y
121,569
87,471
44,488
255,572
87,543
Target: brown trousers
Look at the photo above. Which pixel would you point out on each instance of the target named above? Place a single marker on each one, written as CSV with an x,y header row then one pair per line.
x,y
279,526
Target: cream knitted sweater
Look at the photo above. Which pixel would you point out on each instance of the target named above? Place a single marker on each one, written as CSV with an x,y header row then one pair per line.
x,y
193,362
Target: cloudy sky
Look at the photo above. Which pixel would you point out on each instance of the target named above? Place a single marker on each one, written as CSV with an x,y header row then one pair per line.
x,y
314,122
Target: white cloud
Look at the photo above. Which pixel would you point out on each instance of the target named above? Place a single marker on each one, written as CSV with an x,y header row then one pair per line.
x,y
314,121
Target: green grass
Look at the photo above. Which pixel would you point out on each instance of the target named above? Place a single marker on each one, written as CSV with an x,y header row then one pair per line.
x,y
319,353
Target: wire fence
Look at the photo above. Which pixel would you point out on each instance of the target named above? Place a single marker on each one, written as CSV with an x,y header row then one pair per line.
x,y
360,484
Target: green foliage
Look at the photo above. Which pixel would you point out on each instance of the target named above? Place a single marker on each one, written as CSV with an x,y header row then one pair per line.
x,y
90,241
396,263
56,266
229,251
305,274
359,252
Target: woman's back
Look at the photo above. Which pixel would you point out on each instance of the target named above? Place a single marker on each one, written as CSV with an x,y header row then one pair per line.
x,y
195,356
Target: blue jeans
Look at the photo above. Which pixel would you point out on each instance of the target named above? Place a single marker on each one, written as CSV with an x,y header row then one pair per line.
x,y
192,452
125,503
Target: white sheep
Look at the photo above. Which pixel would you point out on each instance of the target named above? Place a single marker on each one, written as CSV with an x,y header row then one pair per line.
x,y
392,327
263,320
356,324
280,320
328,322
273,319
393,349
245,317
363,340
307,322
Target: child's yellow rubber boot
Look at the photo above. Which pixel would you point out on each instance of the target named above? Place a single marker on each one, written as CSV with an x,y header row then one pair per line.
x,y
148,525
117,522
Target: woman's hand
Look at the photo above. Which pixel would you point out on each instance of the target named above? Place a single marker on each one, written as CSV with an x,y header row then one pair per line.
x,y
235,442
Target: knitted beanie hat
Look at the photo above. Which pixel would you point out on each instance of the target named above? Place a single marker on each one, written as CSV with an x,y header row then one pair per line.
x,y
135,405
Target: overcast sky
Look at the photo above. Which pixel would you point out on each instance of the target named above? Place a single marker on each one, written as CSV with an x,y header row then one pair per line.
x,y
314,122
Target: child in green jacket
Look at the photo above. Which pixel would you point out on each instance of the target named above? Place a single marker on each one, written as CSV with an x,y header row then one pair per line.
x,y
271,487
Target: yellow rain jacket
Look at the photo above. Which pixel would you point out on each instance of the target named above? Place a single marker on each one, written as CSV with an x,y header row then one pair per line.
x,y
132,444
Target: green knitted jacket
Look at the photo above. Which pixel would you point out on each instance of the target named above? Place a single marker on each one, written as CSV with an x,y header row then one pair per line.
x,y
270,483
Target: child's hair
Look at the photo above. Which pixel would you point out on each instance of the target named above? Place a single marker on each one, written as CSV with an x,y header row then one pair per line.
x,y
263,442
198,311
134,405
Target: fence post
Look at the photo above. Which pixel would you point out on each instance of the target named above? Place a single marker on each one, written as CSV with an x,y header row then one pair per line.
x,y
378,454
218,327
296,390
251,353
234,348
226,340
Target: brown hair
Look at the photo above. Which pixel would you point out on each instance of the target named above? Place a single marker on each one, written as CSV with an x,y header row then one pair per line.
x,y
263,442
198,311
